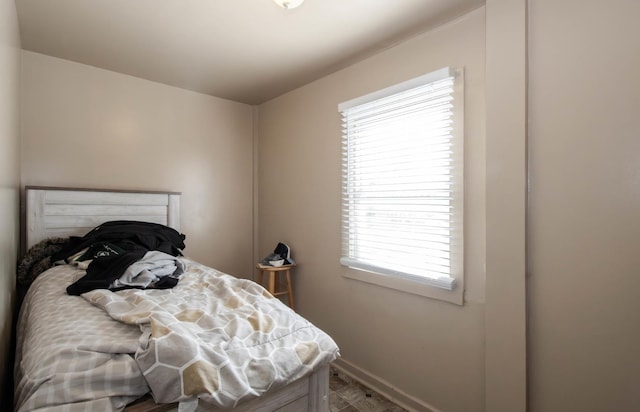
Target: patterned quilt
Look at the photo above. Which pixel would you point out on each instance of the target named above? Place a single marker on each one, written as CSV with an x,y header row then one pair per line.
x,y
70,352
213,337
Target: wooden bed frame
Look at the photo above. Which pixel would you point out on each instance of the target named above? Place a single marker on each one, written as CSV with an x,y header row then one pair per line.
x,y
62,212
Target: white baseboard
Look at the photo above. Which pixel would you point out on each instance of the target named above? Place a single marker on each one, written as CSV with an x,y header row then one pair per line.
x,y
383,387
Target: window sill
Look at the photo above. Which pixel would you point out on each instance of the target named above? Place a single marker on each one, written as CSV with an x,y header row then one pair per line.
x,y
454,296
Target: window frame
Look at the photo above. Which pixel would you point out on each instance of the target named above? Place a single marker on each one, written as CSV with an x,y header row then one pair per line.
x,y
427,287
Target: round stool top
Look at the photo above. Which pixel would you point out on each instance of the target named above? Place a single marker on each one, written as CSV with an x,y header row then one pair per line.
x,y
274,268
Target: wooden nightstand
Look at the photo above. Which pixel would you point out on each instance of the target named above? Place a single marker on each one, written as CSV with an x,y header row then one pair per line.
x,y
273,272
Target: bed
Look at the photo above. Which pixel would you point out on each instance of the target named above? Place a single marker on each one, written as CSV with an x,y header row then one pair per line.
x,y
210,342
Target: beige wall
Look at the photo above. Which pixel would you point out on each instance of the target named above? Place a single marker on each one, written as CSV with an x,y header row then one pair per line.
x,y
88,127
506,194
9,182
584,209
431,350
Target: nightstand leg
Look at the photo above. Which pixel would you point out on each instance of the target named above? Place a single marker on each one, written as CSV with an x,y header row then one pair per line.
x,y
289,289
272,283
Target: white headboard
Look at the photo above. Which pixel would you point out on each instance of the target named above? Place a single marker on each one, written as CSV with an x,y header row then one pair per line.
x,y
62,212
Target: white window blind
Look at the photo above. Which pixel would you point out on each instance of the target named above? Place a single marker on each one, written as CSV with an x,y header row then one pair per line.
x,y
403,181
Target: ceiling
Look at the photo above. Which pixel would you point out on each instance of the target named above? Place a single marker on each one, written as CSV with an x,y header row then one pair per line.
x,y
249,51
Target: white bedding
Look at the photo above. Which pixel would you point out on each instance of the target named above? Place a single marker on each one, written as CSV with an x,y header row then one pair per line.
x,y
70,352
213,336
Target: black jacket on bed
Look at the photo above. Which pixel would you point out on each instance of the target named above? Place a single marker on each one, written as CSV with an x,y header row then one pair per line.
x,y
134,238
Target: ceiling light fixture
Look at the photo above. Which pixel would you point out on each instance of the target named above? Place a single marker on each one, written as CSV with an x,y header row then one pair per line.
x,y
289,4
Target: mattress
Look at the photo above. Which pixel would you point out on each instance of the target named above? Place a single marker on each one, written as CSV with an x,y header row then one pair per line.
x,y
213,339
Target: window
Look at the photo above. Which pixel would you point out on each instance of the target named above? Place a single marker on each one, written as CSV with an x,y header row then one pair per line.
x,y
403,183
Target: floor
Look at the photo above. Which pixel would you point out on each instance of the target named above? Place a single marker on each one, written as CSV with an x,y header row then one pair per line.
x,y
348,395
